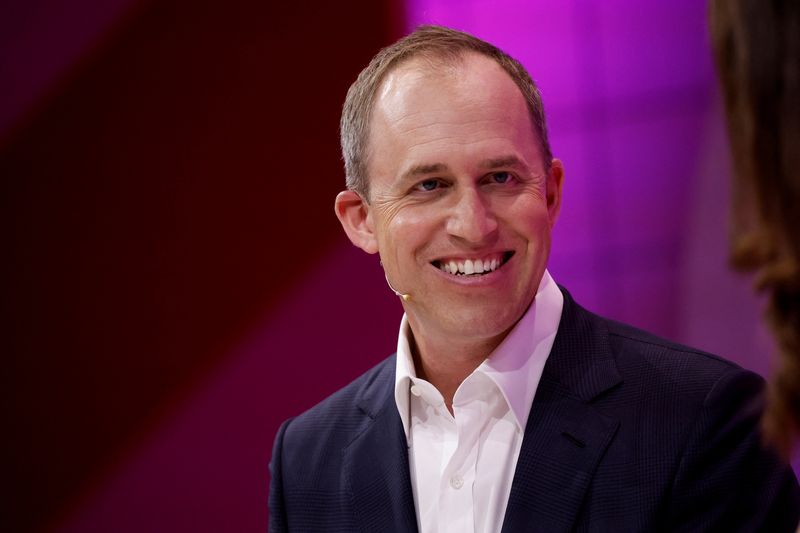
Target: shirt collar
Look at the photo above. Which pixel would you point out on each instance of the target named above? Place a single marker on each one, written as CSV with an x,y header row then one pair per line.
x,y
515,366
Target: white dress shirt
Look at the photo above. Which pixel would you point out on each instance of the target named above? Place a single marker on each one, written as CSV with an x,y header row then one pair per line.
x,y
462,465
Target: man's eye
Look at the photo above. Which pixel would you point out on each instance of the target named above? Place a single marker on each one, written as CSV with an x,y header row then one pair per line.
x,y
501,177
428,185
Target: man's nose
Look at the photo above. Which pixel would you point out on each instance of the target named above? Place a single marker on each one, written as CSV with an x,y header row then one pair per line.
x,y
472,218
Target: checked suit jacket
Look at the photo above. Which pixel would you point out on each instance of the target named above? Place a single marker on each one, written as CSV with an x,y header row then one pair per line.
x,y
627,432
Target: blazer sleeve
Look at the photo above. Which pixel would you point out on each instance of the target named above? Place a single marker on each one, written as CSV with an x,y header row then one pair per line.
x,y
728,480
277,509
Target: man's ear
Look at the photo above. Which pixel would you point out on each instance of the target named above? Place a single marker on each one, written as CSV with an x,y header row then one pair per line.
x,y
555,180
354,214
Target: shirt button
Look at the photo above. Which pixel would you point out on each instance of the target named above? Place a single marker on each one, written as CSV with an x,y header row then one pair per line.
x,y
416,391
456,482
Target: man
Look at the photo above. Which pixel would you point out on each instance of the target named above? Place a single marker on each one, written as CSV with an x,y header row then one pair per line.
x,y
507,406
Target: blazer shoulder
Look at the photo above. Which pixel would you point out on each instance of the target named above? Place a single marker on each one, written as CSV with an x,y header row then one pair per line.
x,y
346,410
647,362
662,351
310,446
689,422
691,374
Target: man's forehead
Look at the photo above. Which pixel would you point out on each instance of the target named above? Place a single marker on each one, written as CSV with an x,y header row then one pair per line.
x,y
426,116
443,80
430,67
417,92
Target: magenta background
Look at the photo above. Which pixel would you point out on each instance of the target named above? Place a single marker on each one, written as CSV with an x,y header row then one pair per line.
x,y
634,114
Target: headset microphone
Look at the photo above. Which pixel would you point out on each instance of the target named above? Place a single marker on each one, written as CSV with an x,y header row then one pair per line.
x,y
405,297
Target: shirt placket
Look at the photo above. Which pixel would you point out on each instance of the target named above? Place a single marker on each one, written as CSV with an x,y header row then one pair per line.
x,y
458,477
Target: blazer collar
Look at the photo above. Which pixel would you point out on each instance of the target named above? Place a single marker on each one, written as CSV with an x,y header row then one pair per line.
x,y
566,436
375,463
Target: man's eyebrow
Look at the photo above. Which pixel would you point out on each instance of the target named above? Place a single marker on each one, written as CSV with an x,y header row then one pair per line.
x,y
422,170
504,161
507,161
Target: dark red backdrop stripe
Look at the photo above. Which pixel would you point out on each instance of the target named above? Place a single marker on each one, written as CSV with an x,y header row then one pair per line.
x,y
172,192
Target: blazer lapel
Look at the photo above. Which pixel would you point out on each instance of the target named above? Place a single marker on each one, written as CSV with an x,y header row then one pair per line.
x,y
565,436
375,465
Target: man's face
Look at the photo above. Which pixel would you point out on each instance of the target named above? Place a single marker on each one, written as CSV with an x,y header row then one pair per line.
x,y
458,186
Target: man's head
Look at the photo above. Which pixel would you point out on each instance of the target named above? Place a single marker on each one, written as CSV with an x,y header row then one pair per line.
x,y
462,193
440,48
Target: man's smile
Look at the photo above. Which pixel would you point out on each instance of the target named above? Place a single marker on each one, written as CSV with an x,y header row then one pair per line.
x,y
460,266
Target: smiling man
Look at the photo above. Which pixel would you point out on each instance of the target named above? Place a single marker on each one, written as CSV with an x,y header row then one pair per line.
x,y
507,406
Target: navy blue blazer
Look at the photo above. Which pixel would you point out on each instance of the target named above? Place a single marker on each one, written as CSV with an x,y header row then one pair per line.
x,y
627,432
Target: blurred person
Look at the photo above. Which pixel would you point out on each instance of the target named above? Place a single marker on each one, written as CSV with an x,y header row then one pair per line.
x,y
757,49
507,406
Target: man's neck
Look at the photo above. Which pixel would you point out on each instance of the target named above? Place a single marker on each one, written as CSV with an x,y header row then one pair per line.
x,y
446,364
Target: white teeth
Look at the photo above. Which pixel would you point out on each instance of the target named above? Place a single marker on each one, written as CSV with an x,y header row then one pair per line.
x,y
471,266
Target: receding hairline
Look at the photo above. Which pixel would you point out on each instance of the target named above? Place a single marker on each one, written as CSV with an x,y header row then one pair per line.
x,y
436,49
442,64
439,63
436,63
430,58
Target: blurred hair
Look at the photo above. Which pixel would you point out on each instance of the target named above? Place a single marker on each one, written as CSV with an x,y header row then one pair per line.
x,y
437,45
757,49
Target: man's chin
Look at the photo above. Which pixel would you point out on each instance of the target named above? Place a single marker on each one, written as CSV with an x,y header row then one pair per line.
x,y
482,325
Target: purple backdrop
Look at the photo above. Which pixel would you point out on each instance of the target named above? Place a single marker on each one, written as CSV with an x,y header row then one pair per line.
x,y
634,114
